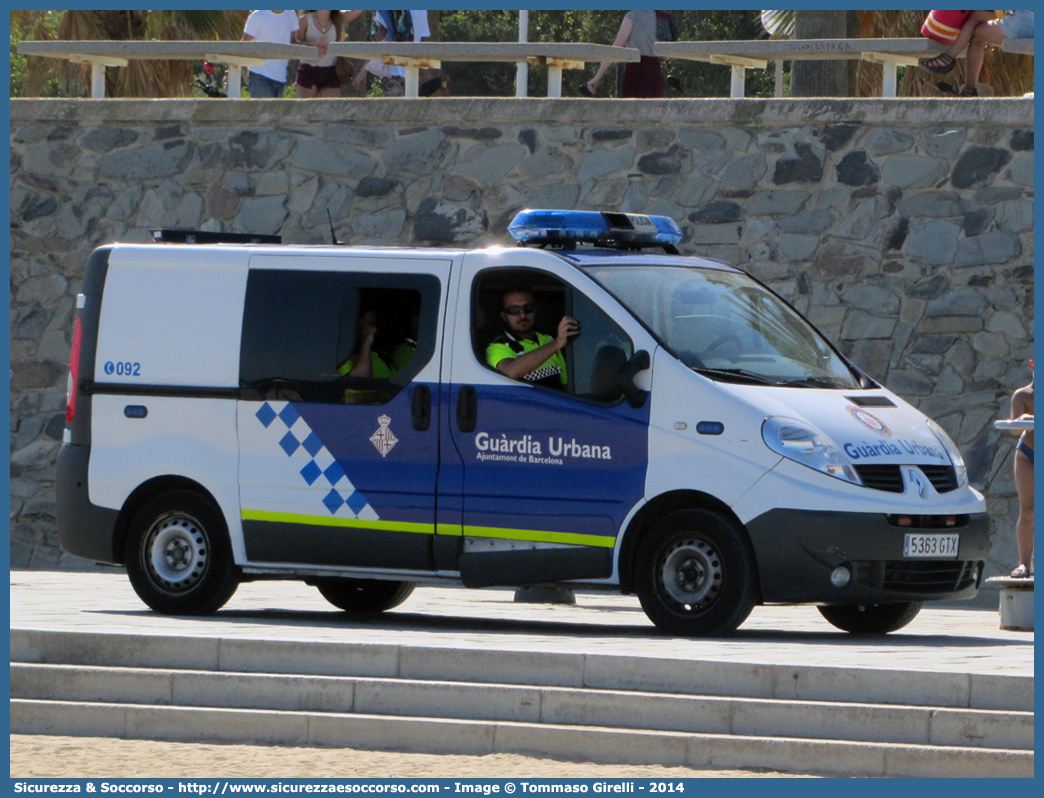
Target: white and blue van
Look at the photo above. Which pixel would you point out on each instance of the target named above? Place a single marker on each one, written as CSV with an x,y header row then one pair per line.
x,y
708,451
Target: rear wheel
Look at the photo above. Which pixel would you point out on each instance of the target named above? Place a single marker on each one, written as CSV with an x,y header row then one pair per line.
x,y
695,574
871,619
364,595
178,555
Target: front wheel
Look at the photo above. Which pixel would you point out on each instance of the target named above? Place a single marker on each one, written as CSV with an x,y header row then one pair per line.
x,y
695,574
178,555
871,619
364,595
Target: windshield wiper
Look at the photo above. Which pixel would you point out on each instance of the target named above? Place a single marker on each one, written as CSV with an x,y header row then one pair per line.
x,y
738,375
812,382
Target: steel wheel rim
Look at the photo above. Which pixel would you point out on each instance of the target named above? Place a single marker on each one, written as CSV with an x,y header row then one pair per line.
x,y
691,574
176,552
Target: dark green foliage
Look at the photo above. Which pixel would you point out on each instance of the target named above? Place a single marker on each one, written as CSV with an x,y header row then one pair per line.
x,y
466,79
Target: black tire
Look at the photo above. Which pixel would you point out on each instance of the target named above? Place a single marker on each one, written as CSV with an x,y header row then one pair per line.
x,y
695,574
364,595
871,619
178,555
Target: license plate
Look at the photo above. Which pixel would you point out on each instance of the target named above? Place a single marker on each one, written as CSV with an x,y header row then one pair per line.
x,y
938,547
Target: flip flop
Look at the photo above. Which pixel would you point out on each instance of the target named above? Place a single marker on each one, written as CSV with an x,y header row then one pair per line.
x,y
1021,572
942,64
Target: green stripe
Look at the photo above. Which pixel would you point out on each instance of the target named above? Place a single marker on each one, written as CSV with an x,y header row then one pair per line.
x,y
351,523
531,535
538,536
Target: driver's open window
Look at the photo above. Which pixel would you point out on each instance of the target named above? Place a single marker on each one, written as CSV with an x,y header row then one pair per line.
x,y
591,360
304,332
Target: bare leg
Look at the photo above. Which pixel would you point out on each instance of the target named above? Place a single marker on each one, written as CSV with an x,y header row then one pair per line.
x,y
967,29
946,61
985,33
328,92
1024,526
305,92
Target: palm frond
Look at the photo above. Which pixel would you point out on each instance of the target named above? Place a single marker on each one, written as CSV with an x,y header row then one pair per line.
x,y
778,24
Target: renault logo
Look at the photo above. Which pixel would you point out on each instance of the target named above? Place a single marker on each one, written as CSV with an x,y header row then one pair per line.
x,y
913,474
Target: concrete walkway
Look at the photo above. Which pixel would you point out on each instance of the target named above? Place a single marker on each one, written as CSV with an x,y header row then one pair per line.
x,y
941,640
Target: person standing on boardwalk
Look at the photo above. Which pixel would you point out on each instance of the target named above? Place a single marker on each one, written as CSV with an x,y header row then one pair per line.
x,y
318,77
269,80
642,79
1022,409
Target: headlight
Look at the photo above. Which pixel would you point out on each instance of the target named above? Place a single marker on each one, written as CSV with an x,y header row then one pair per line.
x,y
952,451
803,443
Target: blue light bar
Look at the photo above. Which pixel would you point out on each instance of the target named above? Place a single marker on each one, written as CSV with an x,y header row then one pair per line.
x,y
563,227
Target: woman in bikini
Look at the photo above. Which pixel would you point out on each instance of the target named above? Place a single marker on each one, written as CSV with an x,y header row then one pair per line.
x,y
1022,408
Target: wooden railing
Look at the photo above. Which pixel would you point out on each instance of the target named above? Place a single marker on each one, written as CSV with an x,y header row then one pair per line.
x,y
744,55
412,56
740,55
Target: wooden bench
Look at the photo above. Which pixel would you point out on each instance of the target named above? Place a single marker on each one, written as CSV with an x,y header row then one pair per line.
x,y
744,55
413,56
101,54
1018,46
421,55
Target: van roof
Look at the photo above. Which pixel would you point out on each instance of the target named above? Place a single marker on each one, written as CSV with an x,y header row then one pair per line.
x,y
581,256
616,257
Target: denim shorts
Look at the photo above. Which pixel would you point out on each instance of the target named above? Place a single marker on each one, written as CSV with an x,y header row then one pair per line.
x,y
1018,25
260,86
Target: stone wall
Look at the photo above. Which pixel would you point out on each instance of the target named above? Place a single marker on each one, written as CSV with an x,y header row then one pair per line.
x,y
902,228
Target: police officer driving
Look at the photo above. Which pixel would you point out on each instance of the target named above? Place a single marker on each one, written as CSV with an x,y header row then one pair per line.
x,y
521,352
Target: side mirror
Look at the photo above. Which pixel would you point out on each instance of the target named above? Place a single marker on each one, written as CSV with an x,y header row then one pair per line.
x,y
635,396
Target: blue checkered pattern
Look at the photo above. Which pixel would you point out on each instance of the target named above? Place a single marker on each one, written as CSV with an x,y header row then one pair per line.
x,y
311,459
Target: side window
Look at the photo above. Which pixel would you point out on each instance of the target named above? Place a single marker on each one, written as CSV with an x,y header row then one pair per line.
x,y
599,352
586,367
336,337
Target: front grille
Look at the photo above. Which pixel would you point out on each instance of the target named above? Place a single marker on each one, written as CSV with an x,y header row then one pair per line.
x,y
943,478
881,477
890,477
928,521
921,576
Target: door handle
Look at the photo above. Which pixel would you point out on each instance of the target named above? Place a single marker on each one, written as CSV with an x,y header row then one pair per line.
x,y
421,408
467,409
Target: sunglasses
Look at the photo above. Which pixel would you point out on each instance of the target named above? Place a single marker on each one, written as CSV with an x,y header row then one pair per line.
x,y
518,310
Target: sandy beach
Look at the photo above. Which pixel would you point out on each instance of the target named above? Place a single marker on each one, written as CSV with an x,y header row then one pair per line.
x,y
39,756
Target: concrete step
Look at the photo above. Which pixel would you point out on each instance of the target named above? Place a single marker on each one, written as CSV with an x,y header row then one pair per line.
x,y
651,711
786,682
479,737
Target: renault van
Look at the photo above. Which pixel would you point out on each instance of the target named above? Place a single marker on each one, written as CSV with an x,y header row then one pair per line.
x,y
705,448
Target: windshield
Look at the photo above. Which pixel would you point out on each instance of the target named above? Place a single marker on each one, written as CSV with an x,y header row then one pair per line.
x,y
725,325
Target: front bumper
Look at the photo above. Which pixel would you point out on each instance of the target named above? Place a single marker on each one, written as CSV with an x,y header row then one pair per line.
x,y
797,550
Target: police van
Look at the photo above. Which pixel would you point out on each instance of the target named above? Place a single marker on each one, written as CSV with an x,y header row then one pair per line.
x,y
704,447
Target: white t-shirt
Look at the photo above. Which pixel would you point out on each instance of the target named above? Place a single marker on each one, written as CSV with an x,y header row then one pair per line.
x,y
420,31
268,26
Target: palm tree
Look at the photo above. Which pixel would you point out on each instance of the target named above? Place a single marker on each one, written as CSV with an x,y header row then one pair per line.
x,y
160,78
821,78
